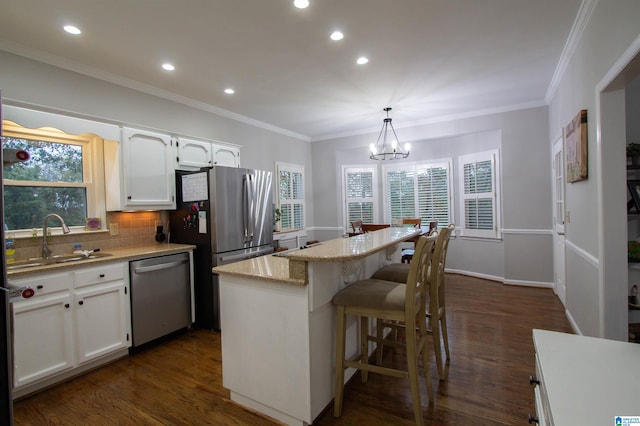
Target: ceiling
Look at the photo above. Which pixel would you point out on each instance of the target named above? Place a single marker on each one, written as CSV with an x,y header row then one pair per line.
x,y
428,59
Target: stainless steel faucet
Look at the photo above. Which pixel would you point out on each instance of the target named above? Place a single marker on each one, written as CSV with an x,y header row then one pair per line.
x,y
46,251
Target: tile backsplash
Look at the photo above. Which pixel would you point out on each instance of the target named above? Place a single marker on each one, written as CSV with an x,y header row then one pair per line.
x,y
134,229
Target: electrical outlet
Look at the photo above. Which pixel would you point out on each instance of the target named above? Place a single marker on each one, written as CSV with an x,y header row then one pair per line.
x,y
114,229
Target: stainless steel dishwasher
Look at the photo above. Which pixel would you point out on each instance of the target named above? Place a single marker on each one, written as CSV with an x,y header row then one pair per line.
x,y
160,296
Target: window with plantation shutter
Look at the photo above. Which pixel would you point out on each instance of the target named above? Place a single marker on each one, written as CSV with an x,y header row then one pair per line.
x,y
290,181
419,190
360,194
479,194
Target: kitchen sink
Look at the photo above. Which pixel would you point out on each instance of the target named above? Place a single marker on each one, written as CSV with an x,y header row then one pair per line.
x,y
62,258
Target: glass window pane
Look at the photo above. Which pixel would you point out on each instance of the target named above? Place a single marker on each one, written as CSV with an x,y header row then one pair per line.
x,y
48,162
26,206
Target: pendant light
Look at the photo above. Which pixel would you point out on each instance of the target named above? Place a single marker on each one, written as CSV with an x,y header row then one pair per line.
x,y
387,147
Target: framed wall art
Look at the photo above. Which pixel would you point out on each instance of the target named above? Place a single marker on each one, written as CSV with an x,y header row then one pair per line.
x,y
575,147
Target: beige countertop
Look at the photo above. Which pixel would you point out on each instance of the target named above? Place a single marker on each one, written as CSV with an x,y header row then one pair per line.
x,y
289,267
120,254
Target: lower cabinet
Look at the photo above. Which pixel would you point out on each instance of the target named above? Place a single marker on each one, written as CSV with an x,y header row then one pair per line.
x,y
42,338
60,332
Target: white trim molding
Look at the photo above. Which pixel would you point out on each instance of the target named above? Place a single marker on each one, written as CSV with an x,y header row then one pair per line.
x,y
594,261
527,231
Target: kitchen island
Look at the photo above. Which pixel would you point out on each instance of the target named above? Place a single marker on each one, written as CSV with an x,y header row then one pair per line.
x,y
278,322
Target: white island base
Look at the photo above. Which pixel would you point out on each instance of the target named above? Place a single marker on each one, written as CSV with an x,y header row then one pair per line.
x,y
278,334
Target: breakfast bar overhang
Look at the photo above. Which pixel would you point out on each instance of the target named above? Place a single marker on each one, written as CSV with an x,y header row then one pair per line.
x,y
278,322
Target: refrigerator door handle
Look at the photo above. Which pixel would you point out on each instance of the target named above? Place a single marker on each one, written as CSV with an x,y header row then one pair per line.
x,y
243,256
248,207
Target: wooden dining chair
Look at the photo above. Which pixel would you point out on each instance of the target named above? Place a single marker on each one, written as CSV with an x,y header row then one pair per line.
x,y
390,301
370,227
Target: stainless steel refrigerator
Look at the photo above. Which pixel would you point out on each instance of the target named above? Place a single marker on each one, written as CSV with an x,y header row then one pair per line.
x,y
228,214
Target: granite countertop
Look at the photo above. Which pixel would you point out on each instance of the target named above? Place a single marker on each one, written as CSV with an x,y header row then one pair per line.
x,y
113,255
353,248
289,267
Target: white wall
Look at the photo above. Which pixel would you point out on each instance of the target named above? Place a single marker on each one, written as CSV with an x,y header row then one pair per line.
x,y
36,85
524,256
596,305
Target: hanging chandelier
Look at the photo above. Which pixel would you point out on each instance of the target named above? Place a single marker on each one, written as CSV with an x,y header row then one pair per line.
x,y
385,149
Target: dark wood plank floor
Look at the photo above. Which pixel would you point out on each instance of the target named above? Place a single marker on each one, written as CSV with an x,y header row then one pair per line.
x,y
179,382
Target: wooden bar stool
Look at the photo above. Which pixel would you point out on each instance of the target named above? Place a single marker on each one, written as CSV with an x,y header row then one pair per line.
x,y
436,312
388,301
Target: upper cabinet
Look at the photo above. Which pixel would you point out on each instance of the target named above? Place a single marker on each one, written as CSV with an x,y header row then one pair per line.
x,y
146,180
224,155
194,154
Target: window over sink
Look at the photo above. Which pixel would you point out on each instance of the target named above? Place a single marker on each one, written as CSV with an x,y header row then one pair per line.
x,y
63,175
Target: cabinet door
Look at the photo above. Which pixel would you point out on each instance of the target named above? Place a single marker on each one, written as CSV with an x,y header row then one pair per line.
x,y
148,169
226,156
101,320
42,337
192,154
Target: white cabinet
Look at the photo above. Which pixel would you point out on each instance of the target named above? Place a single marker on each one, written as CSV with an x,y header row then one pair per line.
x,y
77,320
585,380
225,155
42,337
139,172
192,154
101,311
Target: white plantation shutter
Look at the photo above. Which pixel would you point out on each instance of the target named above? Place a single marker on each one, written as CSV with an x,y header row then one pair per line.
x,y
479,194
400,189
290,178
434,194
419,190
360,190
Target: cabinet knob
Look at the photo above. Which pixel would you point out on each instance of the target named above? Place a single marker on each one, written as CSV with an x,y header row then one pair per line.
x,y
40,287
533,419
101,275
533,381
129,197
81,302
66,305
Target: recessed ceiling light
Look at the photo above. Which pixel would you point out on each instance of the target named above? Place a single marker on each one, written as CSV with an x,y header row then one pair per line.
x,y
229,91
72,30
168,67
301,4
336,35
362,60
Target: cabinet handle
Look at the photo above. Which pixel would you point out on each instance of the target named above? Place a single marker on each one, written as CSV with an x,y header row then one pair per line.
x,y
129,197
101,275
81,302
40,287
66,305
533,381
533,419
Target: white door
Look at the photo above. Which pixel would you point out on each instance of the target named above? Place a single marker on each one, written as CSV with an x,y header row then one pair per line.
x,y
192,154
101,320
558,222
42,337
149,171
226,156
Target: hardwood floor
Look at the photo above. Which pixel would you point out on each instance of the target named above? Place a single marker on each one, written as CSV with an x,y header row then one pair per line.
x,y
180,381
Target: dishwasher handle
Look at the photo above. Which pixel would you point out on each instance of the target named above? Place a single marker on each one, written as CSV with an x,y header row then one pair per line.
x,y
158,267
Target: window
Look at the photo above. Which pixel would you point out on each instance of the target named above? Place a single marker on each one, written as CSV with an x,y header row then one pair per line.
x,y
291,195
57,178
360,194
420,190
479,194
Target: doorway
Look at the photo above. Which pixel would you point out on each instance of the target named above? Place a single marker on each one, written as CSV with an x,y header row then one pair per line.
x,y
558,221
613,226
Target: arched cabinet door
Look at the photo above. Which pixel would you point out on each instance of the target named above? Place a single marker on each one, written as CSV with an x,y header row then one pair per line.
x,y
149,181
